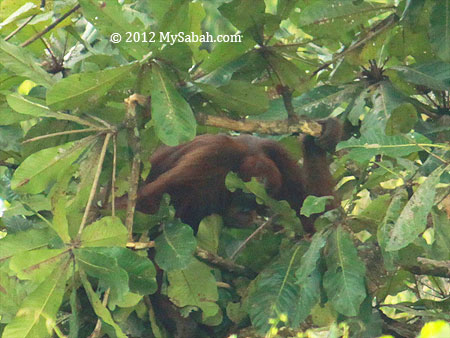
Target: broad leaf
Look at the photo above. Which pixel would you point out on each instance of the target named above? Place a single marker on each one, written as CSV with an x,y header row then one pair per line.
x,y
322,11
21,62
27,206
441,245
238,96
83,90
440,29
108,231
209,232
173,117
237,11
97,264
314,205
28,105
433,75
321,101
110,17
37,315
195,286
100,310
141,271
413,218
371,144
384,229
286,216
38,170
175,246
25,241
311,257
344,279
13,292
10,137
276,292
38,264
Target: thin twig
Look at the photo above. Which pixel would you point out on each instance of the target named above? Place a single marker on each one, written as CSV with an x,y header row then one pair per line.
x,y
18,29
69,132
113,179
223,263
249,238
94,185
427,95
95,118
135,145
50,27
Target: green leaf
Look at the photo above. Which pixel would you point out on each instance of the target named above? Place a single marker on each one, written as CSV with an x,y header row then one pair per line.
x,y
10,137
100,310
320,102
276,292
372,215
440,29
175,246
226,53
383,233
110,17
324,11
441,244
244,14
309,260
209,232
59,200
83,90
238,96
9,117
141,271
27,206
314,205
173,117
43,167
37,315
344,279
433,75
372,143
286,216
28,105
413,218
236,312
108,231
96,264
16,292
385,100
287,72
195,286
37,265
16,243
436,329
412,12
19,61
402,120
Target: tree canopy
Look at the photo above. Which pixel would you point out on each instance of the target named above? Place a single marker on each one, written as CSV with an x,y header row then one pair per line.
x,y
89,89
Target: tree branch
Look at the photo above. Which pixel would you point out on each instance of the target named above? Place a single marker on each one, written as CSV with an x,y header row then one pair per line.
x,y
50,27
289,126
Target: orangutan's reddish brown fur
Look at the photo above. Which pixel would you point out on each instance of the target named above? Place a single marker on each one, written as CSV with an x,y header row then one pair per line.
x,y
193,174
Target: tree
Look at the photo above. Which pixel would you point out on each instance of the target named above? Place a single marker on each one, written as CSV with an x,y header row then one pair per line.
x,y
81,111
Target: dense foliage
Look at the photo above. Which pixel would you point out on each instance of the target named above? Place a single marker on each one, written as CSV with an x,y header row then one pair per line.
x,y
378,265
